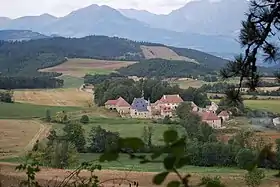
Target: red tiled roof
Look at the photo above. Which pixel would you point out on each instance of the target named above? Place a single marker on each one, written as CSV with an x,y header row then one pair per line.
x,y
171,99
224,114
209,116
111,102
122,103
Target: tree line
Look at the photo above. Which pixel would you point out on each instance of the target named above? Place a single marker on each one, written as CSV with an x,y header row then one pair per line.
x,y
29,82
150,89
165,69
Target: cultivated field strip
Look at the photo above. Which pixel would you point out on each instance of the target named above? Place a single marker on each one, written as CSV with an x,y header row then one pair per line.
x,y
151,52
17,136
79,67
54,97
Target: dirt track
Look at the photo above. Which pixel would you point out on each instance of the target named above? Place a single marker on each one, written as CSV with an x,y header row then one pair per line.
x,y
8,173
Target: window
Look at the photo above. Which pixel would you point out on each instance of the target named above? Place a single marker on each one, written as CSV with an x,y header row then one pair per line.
x,y
135,113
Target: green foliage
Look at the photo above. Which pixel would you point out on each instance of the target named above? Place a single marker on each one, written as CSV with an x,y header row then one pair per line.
x,y
245,158
48,117
148,132
102,140
84,119
30,111
31,82
6,96
153,89
254,178
31,167
25,58
212,182
75,134
165,69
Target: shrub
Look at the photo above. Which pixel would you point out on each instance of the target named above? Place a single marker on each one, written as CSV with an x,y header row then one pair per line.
x,y
84,119
245,158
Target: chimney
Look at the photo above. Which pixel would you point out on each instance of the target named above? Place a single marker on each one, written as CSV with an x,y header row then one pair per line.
x,y
164,96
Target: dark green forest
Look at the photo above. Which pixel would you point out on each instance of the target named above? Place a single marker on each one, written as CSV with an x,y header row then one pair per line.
x,y
20,82
29,56
166,69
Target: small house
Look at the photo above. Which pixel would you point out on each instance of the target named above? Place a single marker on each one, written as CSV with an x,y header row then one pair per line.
x,y
211,119
120,105
224,115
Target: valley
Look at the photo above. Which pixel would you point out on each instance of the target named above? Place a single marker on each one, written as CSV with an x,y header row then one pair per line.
x,y
87,99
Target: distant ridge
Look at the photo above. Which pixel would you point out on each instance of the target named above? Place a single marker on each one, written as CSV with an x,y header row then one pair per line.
x,y
20,35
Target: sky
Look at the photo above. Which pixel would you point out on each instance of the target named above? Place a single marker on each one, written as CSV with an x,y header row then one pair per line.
x,y
18,8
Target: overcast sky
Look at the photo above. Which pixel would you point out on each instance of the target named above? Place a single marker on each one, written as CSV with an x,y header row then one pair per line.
x,y
18,8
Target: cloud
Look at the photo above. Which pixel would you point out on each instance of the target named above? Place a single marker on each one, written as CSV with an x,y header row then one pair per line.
x,y
17,8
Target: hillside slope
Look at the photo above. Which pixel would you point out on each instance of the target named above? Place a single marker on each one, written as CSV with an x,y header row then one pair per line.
x,y
20,35
29,56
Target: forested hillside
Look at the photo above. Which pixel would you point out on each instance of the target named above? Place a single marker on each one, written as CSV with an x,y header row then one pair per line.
x,y
20,35
25,58
166,69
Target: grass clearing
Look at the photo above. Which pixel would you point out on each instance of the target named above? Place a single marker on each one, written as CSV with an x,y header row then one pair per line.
x,y
185,83
71,82
78,67
15,135
125,127
151,52
54,97
269,105
29,111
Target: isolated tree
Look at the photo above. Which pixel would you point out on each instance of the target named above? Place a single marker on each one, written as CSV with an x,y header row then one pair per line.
x,y
84,119
245,158
75,134
48,115
258,36
148,132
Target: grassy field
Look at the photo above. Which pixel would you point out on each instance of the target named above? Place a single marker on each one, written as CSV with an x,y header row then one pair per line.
x,y
125,127
54,97
71,82
269,105
185,83
29,111
151,52
15,135
78,67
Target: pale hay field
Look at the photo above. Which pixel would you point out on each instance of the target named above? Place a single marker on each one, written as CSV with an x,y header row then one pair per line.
x,y
54,97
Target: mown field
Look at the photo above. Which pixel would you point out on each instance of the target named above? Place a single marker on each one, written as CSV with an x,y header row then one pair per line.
x,y
29,111
78,67
54,97
71,82
269,105
125,127
16,135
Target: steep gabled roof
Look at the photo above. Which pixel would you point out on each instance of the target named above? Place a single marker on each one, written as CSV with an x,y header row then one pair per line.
x,y
111,102
171,99
122,103
209,116
140,104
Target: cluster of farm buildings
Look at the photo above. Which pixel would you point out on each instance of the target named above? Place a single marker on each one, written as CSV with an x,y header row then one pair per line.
x,y
166,106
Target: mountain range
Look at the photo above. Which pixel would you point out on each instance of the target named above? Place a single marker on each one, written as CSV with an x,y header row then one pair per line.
x,y
198,25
